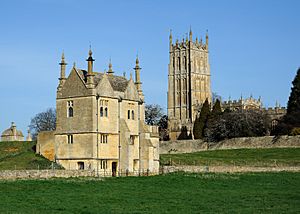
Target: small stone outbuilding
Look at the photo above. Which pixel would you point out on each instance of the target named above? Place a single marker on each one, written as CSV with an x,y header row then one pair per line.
x,y
12,134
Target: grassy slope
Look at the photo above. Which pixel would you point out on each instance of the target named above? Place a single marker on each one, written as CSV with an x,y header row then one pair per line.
x,y
245,157
20,155
173,193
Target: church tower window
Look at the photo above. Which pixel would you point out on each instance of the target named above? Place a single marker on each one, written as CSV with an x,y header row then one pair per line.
x,y
132,115
128,115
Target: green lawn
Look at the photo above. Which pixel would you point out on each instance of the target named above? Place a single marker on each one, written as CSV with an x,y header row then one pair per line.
x,y
239,157
21,155
172,193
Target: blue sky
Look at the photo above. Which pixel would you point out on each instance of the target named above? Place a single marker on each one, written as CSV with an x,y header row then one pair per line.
x,y
253,46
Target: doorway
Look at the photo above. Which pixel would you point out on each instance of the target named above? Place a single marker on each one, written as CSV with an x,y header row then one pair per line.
x,y
114,169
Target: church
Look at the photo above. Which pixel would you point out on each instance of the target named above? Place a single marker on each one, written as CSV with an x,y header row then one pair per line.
x,y
100,123
189,82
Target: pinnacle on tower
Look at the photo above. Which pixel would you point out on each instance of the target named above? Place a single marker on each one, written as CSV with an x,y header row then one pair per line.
x,y
170,37
110,70
62,67
206,39
197,40
191,34
90,61
138,82
90,74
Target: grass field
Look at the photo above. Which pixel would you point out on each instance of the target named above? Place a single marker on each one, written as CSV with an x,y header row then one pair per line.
x,y
172,193
21,155
238,157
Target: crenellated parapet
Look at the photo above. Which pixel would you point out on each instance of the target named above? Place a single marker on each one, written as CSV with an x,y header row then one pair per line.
x,y
240,104
188,43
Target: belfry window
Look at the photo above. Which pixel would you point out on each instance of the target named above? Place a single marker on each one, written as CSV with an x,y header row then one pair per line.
x,y
178,63
132,115
70,109
128,115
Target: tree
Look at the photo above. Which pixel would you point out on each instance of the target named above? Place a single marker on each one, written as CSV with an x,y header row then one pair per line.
x,y
217,110
44,121
163,128
292,118
242,123
153,114
200,121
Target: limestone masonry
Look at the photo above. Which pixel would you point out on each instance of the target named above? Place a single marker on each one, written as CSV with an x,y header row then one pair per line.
x,y
189,82
100,123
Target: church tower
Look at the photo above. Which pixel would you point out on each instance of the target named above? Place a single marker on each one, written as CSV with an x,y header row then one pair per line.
x,y
188,82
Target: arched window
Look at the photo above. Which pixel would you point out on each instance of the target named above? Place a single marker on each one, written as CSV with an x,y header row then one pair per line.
x,y
105,112
178,63
174,63
185,63
132,114
70,112
101,111
128,114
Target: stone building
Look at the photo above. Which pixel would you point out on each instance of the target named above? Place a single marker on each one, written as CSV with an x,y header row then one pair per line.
x,y
100,123
275,114
188,82
12,134
242,104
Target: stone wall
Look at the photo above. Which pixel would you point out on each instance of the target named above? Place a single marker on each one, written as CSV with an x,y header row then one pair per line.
x,y
45,144
24,174
226,169
188,146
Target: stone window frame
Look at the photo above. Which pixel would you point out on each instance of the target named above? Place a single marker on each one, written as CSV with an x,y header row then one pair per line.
x,y
70,139
70,108
104,138
131,139
103,108
103,164
128,114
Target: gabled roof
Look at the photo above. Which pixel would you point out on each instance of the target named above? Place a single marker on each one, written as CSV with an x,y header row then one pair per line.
x,y
118,83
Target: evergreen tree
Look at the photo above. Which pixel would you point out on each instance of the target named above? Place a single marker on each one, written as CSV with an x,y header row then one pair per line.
x,y
217,110
292,118
200,121
294,99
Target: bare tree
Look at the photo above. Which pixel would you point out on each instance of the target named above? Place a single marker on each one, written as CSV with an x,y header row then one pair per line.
x,y
44,121
153,114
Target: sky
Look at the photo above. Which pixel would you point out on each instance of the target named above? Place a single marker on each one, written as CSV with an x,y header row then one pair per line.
x,y
253,47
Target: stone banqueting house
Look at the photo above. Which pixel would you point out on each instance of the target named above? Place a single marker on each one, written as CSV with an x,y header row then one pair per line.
x,y
189,86
100,123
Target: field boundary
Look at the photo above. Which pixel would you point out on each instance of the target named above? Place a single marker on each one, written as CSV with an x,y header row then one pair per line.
x,y
190,146
226,169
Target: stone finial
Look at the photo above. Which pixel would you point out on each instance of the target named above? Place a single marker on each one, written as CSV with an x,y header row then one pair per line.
x,y
130,75
170,37
206,39
110,70
197,40
191,34
29,137
62,67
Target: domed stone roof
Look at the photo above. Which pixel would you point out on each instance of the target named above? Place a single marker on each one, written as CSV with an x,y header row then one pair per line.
x,y
12,133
